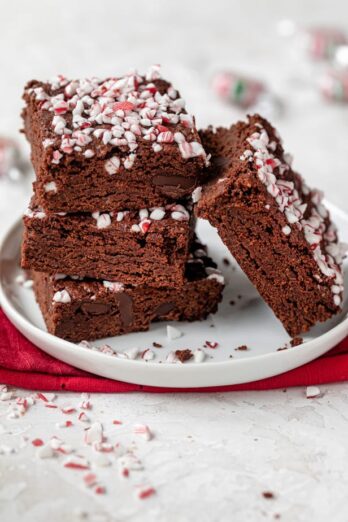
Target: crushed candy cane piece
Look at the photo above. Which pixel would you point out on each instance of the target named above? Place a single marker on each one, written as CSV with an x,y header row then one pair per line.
x,y
143,430
102,460
312,392
198,355
83,417
62,296
68,409
171,358
65,424
90,479
45,452
173,333
76,462
211,344
148,354
94,433
37,442
145,492
6,396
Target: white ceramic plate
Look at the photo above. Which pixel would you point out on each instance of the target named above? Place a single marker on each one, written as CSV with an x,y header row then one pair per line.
x,y
249,322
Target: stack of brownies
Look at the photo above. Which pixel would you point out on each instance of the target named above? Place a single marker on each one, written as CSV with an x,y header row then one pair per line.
x,y
109,234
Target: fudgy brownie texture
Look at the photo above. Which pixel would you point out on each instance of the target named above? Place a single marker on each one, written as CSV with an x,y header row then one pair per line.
x,y
274,225
111,144
83,309
131,247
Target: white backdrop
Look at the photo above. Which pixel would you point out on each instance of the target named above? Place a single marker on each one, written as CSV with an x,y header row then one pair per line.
x,y
213,455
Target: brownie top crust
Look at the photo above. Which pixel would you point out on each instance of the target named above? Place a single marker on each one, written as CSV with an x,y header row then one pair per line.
x,y
115,119
249,169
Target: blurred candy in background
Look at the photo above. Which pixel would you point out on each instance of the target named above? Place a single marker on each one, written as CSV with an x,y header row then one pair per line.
x,y
13,166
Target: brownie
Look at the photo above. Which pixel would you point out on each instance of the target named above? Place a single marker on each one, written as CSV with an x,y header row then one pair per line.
x,y
82,309
149,246
111,144
277,228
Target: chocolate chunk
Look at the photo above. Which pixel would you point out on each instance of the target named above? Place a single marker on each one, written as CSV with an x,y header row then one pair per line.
x,y
164,309
95,308
126,308
173,181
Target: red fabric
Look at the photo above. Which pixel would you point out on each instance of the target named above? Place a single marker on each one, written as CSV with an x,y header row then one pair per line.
x,y
24,365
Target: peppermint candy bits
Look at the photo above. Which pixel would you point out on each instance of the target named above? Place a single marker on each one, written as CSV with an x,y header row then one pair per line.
x,y
277,228
110,136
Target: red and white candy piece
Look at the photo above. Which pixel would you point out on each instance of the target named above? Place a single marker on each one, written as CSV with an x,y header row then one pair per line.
x,y
143,430
76,462
144,492
94,433
62,296
103,220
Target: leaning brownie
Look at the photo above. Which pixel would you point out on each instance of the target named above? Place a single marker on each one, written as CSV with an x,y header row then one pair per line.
x,y
80,309
132,247
274,225
110,144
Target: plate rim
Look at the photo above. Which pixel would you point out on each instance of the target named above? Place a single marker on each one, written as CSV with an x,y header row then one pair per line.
x,y
290,359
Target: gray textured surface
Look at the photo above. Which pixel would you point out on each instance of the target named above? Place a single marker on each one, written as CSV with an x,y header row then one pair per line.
x,y
242,443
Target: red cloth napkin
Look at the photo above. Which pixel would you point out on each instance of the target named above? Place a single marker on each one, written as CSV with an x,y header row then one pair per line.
x,y
24,365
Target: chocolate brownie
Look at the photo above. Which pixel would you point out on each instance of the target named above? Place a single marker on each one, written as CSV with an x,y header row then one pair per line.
x,y
111,144
81,309
131,247
277,228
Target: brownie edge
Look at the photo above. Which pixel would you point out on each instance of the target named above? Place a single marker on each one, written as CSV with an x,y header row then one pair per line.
x,y
86,309
275,226
109,144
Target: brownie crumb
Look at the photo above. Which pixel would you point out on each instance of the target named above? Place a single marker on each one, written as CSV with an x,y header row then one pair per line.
x,y
232,303
239,296
282,348
184,355
296,341
268,494
226,261
242,348
157,345
276,516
